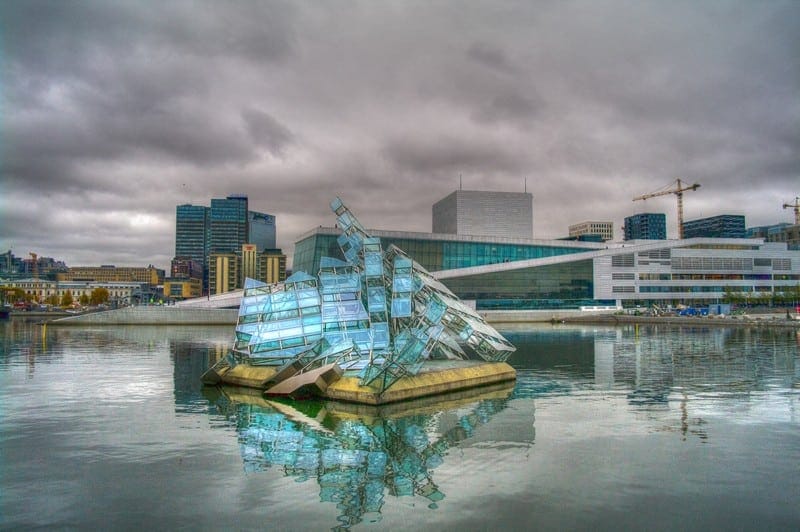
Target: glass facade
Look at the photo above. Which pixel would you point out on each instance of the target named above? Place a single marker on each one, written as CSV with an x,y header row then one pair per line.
x,y
560,286
229,224
646,226
261,230
722,226
191,232
431,254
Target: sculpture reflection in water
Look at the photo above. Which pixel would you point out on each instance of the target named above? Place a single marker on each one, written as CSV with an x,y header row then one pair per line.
x,y
358,455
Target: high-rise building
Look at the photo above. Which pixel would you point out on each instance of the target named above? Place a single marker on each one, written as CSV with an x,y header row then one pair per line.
x,y
228,222
223,228
646,226
722,226
262,230
483,213
191,232
604,229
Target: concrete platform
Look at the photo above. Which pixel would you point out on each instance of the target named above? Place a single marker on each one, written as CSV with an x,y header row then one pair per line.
x,y
325,409
435,378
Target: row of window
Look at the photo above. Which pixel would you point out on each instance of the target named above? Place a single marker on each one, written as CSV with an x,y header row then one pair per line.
x,y
700,263
706,277
688,289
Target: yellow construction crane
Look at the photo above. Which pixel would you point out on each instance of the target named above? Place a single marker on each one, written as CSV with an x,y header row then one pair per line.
x,y
796,206
678,190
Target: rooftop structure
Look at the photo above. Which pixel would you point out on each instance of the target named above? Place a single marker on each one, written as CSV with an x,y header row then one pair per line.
x,y
605,230
722,226
484,213
646,226
782,232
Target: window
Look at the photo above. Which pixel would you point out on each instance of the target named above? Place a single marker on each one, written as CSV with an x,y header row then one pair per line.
x,y
622,261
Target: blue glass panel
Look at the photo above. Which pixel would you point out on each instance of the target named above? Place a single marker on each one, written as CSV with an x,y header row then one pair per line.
x,y
380,335
376,298
312,329
299,276
402,284
401,308
435,310
330,262
373,264
313,319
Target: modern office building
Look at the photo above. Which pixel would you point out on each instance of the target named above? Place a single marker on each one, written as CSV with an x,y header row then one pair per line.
x,y
192,232
605,230
722,226
484,213
519,274
261,230
229,224
646,226
789,234
764,231
782,232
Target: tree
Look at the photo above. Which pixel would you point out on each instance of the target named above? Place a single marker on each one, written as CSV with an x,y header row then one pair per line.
x,y
99,295
83,300
66,299
52,300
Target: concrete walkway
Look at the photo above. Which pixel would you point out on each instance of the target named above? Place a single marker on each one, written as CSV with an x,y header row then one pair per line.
x,y
153,315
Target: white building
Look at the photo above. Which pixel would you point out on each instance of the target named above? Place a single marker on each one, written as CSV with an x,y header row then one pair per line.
x,y
604,229
483,213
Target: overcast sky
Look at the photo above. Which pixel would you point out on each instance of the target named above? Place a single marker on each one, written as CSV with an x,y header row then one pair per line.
x,y
115,112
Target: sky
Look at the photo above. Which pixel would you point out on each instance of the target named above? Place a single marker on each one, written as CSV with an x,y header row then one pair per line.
x,y
114,113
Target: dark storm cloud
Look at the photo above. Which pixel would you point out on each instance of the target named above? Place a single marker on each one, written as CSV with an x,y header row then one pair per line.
x,y
490,57
115,112
450,154
266,131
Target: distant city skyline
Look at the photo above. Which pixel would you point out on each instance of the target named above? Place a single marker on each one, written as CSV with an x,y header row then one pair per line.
x,y
116,112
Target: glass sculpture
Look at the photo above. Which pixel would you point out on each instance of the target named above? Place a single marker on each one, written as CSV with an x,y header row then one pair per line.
x,y
378,313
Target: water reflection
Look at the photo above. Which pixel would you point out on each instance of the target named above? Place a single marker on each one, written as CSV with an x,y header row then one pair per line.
x,y
654,361
675,378
356,454
621,415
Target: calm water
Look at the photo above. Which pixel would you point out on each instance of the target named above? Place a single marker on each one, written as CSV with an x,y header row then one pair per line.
x,y
649,428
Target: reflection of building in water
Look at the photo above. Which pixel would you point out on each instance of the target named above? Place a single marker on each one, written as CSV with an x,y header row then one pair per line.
x,y
357,458
190,359
662,363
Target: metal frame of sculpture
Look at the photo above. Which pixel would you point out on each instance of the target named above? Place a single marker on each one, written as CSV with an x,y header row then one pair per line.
x,y
377,312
